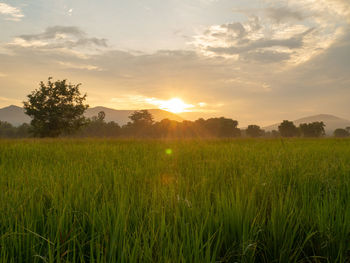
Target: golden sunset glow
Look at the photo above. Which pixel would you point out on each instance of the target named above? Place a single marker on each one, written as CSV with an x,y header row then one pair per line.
x,y
174,105
249,60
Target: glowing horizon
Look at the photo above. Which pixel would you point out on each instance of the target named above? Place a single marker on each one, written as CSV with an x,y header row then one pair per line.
x,y
256,61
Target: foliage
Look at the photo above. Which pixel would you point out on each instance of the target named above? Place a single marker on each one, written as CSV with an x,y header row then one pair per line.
x,y
140,125
314,129
203,201
7,130
341,133
254,131
98,127
142,118
55,108
288,129
101,116
221,127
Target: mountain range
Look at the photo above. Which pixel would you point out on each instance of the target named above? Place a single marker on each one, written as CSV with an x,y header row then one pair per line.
x,y
16,116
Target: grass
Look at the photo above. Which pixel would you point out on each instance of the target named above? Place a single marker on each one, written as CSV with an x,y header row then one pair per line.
x,y
175,201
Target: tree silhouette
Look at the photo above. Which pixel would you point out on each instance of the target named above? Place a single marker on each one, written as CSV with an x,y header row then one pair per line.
x,y
56,108
341,133
98,127
141,124
7,130
142,117
314,129
288,129
220,127
254,131
101,116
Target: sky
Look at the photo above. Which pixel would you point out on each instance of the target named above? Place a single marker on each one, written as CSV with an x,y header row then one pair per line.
x,y
256,61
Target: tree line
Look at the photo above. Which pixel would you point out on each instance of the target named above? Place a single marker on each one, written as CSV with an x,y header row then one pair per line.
x,y
57,109
142,125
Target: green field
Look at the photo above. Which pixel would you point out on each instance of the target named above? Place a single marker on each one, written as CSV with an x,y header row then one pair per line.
x,y
175,201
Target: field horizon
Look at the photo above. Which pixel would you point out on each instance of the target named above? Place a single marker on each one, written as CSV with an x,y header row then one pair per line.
x,y
15,115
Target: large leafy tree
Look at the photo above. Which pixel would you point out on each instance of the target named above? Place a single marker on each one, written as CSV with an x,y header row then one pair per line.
x,y
57,107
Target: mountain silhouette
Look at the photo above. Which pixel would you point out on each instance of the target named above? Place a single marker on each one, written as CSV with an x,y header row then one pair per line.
x,y
16,116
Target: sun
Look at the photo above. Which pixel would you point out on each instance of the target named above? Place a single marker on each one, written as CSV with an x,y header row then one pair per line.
x,y
175,105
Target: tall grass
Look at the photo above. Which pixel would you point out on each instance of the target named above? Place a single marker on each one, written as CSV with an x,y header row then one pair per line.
x,y
203,201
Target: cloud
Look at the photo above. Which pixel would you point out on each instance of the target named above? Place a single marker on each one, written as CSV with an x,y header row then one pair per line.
x,y
10,12
278,33
236,29
327,10
290,43
252,41
55,32
69,65
280,14
245,91
266,56
60,37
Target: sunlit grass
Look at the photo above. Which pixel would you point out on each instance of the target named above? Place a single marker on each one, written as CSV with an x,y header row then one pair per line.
x,y
175,201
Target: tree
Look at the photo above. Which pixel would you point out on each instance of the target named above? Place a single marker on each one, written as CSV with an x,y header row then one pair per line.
x,y
56,108
314,129
141,124
288,129
6,130
142,117
341,133
98,127
101,116
275,133
254,131
23,130
220,127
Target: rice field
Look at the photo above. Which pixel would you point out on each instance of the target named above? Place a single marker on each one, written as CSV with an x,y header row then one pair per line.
x,y
242,200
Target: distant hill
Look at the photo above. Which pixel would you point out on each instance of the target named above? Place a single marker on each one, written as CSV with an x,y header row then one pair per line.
x,y
332,122
16,116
